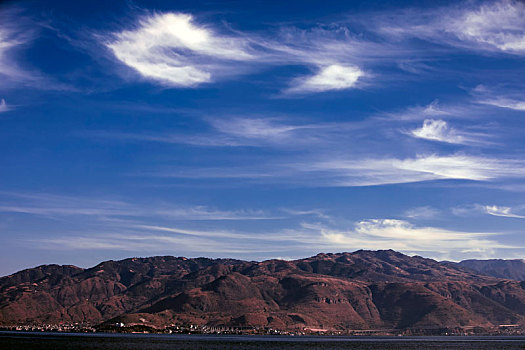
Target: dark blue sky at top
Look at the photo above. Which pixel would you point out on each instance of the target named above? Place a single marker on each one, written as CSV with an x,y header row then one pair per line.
x,y
260,129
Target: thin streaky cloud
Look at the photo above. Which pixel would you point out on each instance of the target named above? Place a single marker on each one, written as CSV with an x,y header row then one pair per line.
x,y
402,235
332,77
18,32
341,172
205,213
154,244
309,212
365,234
255,128
506,103
51,205
255,131
424,212
12,38
500,97
492,26
217,234
502,211
367,172
3,106
433,110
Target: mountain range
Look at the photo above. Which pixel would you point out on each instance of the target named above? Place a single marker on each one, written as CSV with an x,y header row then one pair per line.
x,y
363,290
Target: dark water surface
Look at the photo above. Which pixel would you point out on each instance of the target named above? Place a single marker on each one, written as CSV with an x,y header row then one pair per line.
x,y
48,341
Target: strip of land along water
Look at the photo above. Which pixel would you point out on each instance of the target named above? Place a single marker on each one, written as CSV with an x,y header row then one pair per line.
x,y
48,341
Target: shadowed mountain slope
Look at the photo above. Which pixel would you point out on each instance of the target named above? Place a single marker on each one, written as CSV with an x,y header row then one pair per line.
x,y
510,269
360,290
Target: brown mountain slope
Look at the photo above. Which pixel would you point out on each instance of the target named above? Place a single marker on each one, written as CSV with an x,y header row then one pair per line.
x,y
510,269
360,290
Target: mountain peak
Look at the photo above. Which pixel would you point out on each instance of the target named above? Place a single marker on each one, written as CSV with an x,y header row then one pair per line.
x,y
350,290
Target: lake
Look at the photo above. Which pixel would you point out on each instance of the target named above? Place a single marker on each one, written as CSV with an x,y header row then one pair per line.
x,y
94,341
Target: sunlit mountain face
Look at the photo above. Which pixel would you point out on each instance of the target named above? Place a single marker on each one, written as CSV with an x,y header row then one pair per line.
x,y
258,130
383,292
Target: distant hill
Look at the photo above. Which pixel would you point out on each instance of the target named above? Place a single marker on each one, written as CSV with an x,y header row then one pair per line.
x,y
511,269
360,290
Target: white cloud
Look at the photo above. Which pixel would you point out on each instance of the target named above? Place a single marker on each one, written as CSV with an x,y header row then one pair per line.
x,y
404,236
433,110
11,38
152,244
424,212
310,212
368,172
59,206
205,213
333,77
494,210
496,26
438,130
366,234
17,32
218,234
152,237
500,97
171,48
501,211
456,167
258,128
360,172
506,103
3,106
246,131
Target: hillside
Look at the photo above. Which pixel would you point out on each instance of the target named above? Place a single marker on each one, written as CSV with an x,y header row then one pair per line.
x,y
360,290
510,269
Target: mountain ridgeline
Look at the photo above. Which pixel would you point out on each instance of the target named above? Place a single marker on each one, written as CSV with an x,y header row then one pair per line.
x,y
361,290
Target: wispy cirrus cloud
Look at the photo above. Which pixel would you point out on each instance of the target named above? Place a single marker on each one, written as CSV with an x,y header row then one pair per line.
x,y
3,106
503,97
507,103
154,244
439,130
502,211
425,212
255,128
234,131
14,35
177,50
19,30
173,49
396,234
59,206
403,236
484,209
316,171
367,172
433,110
333,77
491,26
494,25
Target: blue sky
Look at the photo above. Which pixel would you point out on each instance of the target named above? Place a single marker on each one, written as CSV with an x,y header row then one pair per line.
x,y
260,129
